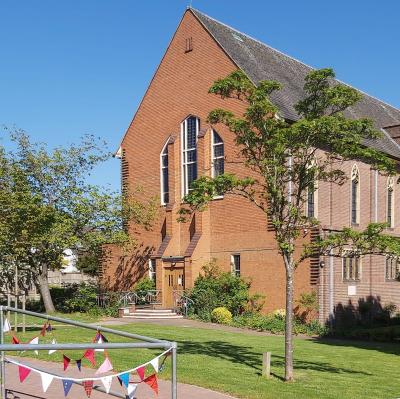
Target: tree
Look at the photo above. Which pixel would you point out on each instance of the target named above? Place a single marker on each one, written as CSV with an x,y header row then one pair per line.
x,y
286,159
47,206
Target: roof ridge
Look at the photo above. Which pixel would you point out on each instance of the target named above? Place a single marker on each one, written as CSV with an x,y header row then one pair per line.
x,y
289,56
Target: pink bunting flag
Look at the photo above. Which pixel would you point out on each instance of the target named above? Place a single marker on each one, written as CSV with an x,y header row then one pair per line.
x,y
89,355
66,361
106,366
140,372
151,381
23,373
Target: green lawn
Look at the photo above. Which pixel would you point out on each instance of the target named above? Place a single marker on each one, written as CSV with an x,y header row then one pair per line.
x,y
231,363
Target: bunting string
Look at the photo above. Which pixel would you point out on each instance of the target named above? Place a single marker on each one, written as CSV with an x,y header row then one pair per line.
x,y
122,373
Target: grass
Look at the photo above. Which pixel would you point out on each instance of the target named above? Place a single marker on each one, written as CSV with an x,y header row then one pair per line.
x,y
30,320
231,362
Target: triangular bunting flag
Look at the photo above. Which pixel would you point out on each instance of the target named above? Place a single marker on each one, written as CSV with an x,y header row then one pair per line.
x,y
154,363
46,380
151,381
107,381
15,340
140,372
119,380
89,355
131,390
88,385
66,361
53,342
67,384
34,341
79,364
23,373
99,341
103,338
106,366
125,378
6,326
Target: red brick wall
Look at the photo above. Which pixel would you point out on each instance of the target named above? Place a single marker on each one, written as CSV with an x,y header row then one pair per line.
x,y
230,225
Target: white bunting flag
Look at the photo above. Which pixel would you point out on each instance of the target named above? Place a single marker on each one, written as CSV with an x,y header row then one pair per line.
x,y
53,342
99,341
154,363
107,381
46,380
6,326
34,341
131,390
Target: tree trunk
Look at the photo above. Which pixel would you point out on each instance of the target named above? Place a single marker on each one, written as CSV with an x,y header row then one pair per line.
x,y
289,321
43,283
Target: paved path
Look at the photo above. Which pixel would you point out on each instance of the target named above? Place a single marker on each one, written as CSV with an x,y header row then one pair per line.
x,y
31,388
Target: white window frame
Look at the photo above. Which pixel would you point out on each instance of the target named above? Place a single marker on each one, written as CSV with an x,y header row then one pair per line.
x,y
213,157
233,266
152,272
184,163
390,187
162,175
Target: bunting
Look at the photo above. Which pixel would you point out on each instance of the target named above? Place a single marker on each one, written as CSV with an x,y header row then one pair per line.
x,y
34,341
79,364
105,367
107,381
131,390
46,380
88,383
23,373
66,361
67,384
6,326
89,355
151,381
88,386
53,342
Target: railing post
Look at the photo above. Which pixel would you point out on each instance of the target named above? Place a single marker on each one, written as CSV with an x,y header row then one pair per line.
x,y
174,371
2,366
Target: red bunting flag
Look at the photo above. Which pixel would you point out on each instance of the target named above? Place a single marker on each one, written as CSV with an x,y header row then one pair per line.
x,y
15,340
151,381
140,372
89,355
66,360
88,385
23,373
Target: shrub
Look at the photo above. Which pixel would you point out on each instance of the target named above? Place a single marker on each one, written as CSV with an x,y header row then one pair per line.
x,y
214,289
145,284
280,314
221,315
307,306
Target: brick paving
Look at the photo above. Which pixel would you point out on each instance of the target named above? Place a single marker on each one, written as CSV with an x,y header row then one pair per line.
x,y
31,388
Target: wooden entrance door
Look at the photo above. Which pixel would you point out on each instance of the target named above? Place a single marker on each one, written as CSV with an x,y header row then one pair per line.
x,y
174,281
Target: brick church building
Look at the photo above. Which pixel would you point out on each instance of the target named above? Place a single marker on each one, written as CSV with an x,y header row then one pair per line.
x,y
169,143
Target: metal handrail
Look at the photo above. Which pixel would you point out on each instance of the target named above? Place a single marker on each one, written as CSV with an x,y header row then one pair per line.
x,y
147,343
182,302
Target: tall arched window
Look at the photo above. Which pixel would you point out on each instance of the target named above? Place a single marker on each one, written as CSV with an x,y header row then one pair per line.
x,y
190,128
217,154
355,195
390,207
164,175
312,196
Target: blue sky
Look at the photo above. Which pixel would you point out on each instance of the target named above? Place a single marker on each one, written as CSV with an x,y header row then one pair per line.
x,y
73,67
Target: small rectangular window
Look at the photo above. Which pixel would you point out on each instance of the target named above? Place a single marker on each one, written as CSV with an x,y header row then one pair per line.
x,y
188,44
392,271
152,269
351,268
235,260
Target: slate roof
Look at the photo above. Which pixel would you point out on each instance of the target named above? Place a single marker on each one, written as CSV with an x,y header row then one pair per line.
x,y
261,62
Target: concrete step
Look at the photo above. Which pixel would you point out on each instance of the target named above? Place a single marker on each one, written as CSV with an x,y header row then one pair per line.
x,y
150,317
163,311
